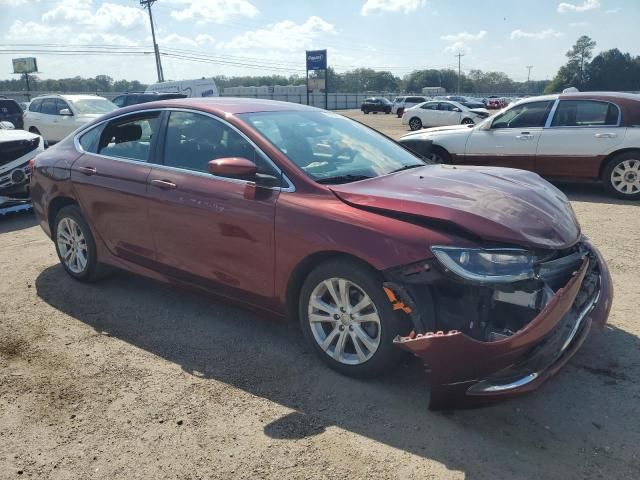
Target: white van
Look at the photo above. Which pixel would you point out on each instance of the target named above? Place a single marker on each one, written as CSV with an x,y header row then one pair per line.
x,y
203,87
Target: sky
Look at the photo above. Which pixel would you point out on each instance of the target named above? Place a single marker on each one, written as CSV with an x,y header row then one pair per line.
x,y
243,37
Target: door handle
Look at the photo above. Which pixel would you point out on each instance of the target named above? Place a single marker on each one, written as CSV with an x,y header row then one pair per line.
x,y
605,135
164,184
524,136
88,170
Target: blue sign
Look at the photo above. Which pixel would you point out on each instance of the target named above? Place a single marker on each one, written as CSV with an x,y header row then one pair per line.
x,y
317,60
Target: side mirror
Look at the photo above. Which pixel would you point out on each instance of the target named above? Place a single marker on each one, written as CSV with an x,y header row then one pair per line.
x,y
234,167
456,109
66,112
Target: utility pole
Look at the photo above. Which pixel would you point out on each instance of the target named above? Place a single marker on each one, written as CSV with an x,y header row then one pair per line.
x,y
459,55
147,4
529,67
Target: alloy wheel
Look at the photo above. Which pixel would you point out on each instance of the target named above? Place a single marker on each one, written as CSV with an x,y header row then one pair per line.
x,y
415,124
625,177
344,321
72,245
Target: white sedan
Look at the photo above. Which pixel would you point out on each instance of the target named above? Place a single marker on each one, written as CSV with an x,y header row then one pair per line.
x,y
439,113
17,148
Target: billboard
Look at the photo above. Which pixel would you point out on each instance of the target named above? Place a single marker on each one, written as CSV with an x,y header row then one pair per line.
x,y
25,65
316,59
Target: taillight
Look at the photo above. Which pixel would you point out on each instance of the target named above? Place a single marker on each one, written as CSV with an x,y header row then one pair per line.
x,y
31,164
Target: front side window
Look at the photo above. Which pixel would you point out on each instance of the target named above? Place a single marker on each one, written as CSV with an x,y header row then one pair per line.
x,y
61,105
585,113
34,106
526,115
330,148
49,106
119,101
129,138
193,140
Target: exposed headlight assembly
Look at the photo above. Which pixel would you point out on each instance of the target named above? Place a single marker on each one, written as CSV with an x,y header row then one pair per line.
x,y
485,266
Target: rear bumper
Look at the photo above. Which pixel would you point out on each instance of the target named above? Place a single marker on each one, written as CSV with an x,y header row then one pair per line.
x,y
464,370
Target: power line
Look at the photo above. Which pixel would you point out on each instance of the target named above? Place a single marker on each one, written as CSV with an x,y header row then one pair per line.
x,y
147,4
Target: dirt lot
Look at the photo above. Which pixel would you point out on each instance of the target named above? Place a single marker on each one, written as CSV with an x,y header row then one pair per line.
x,y
129,378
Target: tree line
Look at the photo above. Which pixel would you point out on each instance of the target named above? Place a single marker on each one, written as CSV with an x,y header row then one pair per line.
x,y
609,70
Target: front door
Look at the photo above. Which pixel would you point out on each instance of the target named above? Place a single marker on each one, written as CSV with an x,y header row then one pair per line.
x,y
110,179
579,136
512,139
208,230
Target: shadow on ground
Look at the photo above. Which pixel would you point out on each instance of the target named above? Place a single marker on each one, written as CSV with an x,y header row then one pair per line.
x,y
591,192
14,221
579,422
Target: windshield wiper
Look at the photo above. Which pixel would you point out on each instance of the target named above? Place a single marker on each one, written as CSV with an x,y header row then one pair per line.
x,y
407,167
343,179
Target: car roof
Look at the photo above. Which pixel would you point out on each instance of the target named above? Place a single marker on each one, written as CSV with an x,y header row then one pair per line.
x,y
68,97
222,105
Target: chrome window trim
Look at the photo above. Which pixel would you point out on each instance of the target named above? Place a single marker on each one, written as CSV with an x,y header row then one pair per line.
x,y
555,107
290,188
519,104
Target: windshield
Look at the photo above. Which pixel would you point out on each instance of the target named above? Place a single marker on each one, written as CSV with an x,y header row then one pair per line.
x,y
328,146
93,105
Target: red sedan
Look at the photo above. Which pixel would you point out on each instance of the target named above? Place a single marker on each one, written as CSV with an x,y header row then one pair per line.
x,y
481,272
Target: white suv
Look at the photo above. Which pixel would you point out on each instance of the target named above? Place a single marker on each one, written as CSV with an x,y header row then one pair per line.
x,y
400,104
56,116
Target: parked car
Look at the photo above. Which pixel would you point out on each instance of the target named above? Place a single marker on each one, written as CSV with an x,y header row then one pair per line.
x,y
375,105
200,87
17,149
10,111
400,104
466,101
24,106
135,98
583,136
56,116
439,113
496,103
482,273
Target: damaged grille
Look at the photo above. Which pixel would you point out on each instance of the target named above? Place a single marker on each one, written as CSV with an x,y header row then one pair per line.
x,y
10,151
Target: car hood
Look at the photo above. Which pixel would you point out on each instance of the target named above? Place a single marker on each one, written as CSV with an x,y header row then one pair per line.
x,y
496,204
448,130
12,135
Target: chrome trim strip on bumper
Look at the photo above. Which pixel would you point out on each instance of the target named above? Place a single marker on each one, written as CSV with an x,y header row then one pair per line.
x,y
492,388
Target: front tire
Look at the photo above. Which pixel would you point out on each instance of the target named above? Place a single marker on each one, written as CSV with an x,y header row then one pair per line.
x,y
415,124
75,245
467,121
621,175
365,111
348,320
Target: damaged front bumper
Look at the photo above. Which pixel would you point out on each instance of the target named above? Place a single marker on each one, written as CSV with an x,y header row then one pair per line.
x,y
466,366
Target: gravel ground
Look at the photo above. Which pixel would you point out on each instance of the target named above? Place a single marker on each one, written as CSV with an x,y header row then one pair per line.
x,y
129,378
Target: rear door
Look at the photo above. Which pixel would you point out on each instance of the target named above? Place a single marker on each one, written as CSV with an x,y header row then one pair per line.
x,y
447,114
47,120
578,137
110,179
512,139
210,230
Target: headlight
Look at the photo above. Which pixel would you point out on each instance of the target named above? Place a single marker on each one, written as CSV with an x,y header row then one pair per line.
x,y
487,265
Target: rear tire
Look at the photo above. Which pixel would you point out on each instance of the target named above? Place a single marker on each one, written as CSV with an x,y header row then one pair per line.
x,y
387,111
399,112
365,111
621,175
415,124
334,296
75,245
467,121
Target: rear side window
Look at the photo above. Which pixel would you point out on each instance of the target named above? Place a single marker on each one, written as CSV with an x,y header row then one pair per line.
x,y
119,101
89,140
585,113
129,138
430,106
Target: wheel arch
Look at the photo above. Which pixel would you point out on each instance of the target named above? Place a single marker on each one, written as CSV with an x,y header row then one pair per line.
x,y
609,157
303,269
55,206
